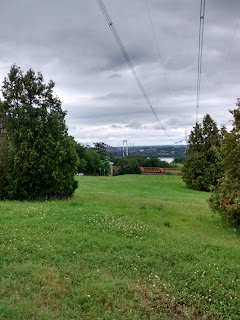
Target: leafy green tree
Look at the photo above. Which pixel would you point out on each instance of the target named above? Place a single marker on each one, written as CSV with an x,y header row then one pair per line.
x,y
82,165
226,196
80,152
179,160
90,162
101,149
140,159
128,165
79,149
202,166
155,162
152,162
104,168
93,161
39,160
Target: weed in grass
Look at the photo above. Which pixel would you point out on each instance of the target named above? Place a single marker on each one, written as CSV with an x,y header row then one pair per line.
x,y
167,224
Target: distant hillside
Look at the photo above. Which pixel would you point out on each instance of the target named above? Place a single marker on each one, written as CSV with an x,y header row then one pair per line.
x,y
171,151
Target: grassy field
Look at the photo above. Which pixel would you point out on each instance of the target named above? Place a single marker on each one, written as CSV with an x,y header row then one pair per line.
x,y
126,247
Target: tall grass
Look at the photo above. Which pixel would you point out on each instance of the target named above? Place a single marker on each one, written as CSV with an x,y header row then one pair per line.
x,y
126,247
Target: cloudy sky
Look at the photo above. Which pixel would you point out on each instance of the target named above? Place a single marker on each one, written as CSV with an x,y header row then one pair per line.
x,y
71,43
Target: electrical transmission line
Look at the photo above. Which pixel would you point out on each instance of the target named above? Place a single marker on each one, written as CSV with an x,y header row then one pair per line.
x,y
200,50
160,56
129,62
158,49
230,49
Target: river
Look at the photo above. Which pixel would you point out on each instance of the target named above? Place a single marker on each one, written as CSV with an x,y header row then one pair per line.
x,y
169,160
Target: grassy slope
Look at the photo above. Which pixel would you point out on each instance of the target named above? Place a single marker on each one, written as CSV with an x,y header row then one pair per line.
x,y
127,247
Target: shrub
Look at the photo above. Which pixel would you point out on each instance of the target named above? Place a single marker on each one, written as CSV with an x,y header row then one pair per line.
x,y
128,165
226,196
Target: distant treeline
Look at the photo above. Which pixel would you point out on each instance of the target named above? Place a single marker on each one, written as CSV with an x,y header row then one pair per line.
x,y
132,164
95,161
180,160
170,151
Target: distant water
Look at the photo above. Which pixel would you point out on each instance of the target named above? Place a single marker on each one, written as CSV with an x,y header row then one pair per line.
x,y
169,160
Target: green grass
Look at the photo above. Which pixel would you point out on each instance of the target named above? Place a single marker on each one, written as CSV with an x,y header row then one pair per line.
x,y
126,247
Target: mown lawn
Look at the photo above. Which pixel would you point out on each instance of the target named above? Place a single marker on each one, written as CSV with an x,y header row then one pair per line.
x,y
126,247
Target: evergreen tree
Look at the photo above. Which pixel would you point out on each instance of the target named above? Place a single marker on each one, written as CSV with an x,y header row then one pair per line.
x,y
226,196
39,157
202,167
101,149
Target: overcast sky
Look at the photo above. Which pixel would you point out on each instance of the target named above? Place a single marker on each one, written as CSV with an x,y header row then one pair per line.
x,y
71,43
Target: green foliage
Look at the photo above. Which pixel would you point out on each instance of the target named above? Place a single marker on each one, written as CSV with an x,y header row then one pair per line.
x,y
132,164
93,161
104,168
79,149
179,160
101,149
140,159
155,162
39,160
82,165
226,196
5,165
152,162
202,166
128,165
80,152
90,162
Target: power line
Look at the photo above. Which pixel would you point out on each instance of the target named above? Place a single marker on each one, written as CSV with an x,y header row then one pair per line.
x,y
129,62
158,49
200,50
230,49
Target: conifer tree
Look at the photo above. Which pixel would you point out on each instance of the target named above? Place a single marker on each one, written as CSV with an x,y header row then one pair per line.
x,y
202,167
39,160
226,196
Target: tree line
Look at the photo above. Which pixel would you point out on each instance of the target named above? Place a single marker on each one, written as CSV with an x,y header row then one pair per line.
x,y
92,160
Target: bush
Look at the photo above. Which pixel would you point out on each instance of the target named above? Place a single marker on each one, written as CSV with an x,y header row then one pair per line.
x,y
155,162
128,165
226,196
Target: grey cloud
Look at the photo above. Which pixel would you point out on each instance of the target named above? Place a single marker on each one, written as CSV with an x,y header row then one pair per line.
x,y
70,42
115,75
